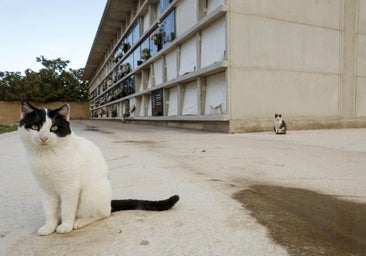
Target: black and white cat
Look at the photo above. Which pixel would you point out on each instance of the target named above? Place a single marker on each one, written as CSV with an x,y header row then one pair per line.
x,y
279,124
71,172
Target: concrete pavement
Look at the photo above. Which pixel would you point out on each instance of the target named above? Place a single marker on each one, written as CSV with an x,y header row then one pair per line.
x,y
205,169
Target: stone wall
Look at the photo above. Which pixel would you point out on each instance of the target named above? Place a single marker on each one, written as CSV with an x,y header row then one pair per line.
x,y
10,111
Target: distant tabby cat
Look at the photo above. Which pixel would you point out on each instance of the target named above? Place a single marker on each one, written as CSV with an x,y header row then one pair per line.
x,y
279,124
71,172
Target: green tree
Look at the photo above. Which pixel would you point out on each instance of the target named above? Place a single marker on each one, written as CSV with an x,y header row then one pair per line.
x,y
53,82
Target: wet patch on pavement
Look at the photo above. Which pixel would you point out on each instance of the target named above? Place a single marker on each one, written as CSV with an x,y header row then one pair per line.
x,y
306,222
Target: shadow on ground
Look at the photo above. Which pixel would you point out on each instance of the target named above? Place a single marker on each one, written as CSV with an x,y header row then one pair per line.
x,y
308,223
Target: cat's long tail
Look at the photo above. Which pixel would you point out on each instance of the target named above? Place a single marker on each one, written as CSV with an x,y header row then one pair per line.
x,y
134,204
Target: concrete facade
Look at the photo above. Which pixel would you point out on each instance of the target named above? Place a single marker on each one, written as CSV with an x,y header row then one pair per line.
x,y
303,58
296,60
361,61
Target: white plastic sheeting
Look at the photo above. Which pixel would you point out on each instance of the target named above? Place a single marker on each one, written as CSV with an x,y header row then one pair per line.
x,y
213,52
158,71
173,102
150,79
185,15
213,4
215,103
146,21
188,57
190,99
171,65
132,105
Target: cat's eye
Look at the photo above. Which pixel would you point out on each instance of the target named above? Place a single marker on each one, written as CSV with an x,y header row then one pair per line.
x,y
54,128
34,127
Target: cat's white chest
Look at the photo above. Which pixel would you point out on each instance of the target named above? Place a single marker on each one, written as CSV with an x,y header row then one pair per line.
x,y
277,123
49,163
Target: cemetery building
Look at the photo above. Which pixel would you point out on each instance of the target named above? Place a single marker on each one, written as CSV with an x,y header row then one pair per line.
x,y
229,65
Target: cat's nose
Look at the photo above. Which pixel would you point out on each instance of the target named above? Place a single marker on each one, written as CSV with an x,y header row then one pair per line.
x,y
44,139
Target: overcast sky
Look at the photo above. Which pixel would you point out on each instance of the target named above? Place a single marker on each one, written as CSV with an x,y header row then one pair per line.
x,y
31,28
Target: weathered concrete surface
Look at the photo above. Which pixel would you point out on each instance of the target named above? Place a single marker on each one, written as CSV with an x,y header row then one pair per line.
x,y
205,169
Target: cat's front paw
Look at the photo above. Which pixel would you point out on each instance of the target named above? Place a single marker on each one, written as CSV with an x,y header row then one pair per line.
x,y
46,230
64,228
79,223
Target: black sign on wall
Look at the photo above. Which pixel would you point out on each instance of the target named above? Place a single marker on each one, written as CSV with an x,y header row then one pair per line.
x,y
157,103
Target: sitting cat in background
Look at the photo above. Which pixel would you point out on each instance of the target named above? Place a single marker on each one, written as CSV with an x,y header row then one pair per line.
x,y
279,124
71,172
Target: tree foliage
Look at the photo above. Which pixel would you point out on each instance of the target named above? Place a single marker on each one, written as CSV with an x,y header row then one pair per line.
x,y
53,82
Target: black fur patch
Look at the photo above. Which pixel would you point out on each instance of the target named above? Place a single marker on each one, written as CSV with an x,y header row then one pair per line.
x,y
283,125
133,204
59,120
36,117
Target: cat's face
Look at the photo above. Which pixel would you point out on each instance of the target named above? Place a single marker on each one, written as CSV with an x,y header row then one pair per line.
x,y
44,128
278,117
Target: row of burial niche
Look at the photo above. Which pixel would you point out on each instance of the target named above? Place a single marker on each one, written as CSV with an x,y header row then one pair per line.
x,y
163,34
123,89
157,40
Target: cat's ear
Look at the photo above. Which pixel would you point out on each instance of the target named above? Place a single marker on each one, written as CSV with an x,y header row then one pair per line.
x,y
64,111
25,108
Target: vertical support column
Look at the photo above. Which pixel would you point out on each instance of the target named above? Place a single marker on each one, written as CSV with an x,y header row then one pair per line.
x,y
164,69
152,75
178,60
201,95
348,82
198,50
166,102
180,92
